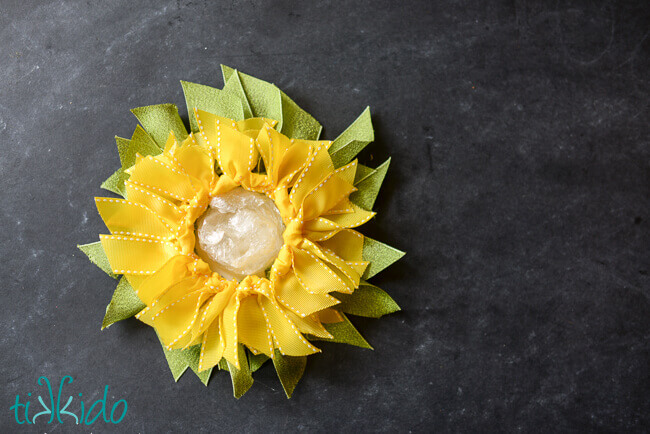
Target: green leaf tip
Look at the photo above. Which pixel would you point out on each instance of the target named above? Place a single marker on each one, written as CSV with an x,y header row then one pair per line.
x,y
290,370
179,360
211,100
352,141
368,301
234,87
115,182
124,304
379,255
158,120
97,256
242,380
257,360
369,186
140,143
267,100
344,333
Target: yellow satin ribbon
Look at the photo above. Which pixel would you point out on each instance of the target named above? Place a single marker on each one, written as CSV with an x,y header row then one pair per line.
x,y
152,240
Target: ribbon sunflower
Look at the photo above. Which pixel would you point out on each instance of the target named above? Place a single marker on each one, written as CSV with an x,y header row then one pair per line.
x,y
248,141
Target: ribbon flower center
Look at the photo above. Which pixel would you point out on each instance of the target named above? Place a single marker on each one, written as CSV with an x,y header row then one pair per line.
x,y
240,234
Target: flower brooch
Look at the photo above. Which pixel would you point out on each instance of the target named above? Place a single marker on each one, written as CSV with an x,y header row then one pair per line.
x,y
238,242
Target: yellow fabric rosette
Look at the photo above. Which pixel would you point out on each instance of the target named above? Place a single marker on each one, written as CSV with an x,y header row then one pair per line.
x,y
152,240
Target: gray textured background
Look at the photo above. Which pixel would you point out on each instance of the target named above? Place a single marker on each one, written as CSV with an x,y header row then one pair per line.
x,y
519,187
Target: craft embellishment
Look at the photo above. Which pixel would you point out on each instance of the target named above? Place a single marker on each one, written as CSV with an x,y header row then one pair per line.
x,y
238,242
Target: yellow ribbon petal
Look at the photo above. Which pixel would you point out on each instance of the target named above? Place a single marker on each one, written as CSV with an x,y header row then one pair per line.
x,y
211,347
173,271
315,276
318,166
252,327
286,336
236,152
155,175
291,294
135,255
163,208
310,325
329,192
195,161
131,218
352,220
230,334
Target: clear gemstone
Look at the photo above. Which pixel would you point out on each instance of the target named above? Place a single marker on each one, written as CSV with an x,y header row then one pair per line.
x,y
240,234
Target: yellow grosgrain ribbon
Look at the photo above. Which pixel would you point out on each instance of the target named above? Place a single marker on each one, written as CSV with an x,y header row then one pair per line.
x,y
152,240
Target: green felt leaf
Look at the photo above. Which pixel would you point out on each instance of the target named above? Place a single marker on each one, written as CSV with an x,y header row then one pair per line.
x,y
97,256
289,370
297,123
141,143
368,187
123,305
227,72
265,98
158,120
193,355
242,380
211,100
345,333
294,121
362,173
179,360
367,300
144,141
123,146
256,361
234,87
380,256
352,140
115,182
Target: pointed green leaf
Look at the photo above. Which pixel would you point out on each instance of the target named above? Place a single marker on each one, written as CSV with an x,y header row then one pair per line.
x,y
242,380
264,98
123,146
297,123
367,300
141,143
115,182
256,361
345,333
193,355
234,87
289,370
179,360
176,360
380,256
211,100
97,256
158,120
368,188
227,72
294,121
352,140
144,141
362,173
123,305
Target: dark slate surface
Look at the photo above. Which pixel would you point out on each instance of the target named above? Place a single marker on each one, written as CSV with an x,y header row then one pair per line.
x,y
519,187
